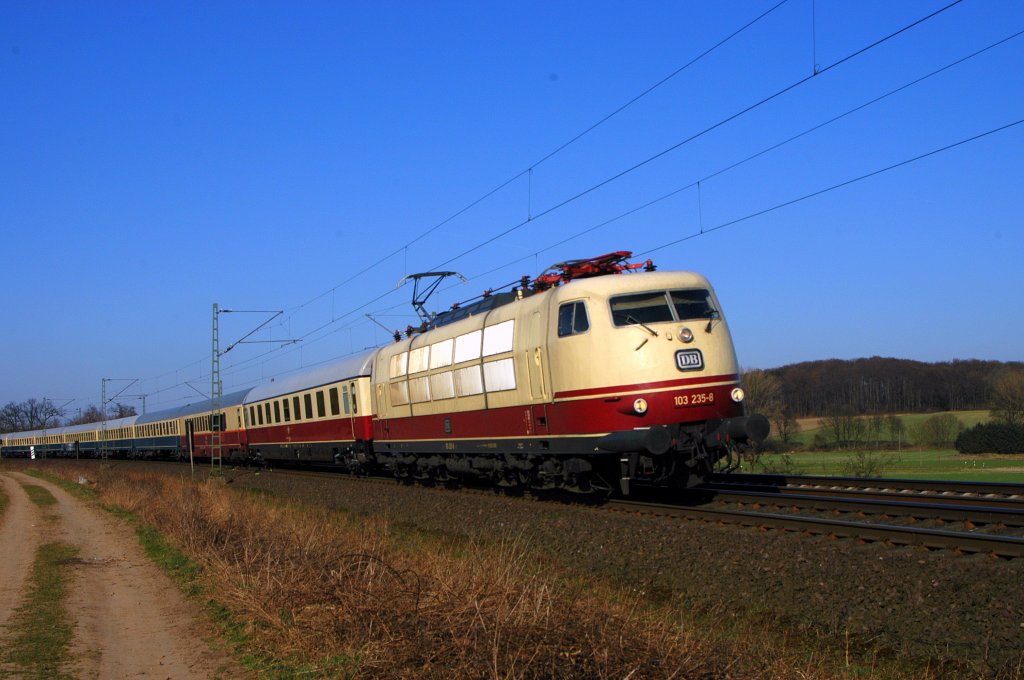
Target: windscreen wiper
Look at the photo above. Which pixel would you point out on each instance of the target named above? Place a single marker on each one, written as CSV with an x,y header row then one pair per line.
x,y
633,320
712,315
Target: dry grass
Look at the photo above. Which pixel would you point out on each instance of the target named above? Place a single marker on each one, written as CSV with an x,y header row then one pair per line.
x,y
354,599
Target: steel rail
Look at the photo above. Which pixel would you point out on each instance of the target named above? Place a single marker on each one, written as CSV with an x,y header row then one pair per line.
x,y
935,486
948,512
863,493
959,541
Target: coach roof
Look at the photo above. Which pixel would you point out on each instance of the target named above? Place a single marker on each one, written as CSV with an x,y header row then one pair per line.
x,y
231,399
335,371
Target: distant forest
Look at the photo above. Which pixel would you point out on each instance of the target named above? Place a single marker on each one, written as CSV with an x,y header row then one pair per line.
x,y
879,385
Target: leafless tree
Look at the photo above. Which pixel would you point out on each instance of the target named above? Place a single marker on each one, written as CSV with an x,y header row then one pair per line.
x,y
31,414
1008,398
90,414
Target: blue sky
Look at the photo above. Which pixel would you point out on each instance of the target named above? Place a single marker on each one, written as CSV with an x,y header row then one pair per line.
x,y
158,157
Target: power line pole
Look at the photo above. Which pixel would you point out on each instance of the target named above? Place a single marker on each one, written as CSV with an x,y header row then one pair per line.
x,y
217,419
216,391
104,448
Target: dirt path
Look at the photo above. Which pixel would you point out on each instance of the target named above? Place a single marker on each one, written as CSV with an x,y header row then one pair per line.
x,y
18,544
129,619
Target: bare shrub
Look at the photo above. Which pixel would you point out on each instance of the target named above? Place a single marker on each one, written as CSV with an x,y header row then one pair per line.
x,y
345,596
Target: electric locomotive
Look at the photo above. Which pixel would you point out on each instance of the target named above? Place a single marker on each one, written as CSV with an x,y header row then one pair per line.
x,y
587,379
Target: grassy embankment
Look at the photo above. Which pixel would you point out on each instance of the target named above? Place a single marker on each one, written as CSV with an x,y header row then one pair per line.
x,y
303,591
897,458
38,633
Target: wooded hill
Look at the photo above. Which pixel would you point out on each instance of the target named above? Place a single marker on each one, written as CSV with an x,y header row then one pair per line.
x,y
885,385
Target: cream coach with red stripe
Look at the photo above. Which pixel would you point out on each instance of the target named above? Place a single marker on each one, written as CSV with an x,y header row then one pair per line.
x,y
613,380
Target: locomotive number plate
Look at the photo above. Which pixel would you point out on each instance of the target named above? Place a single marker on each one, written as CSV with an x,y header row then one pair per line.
x,y
689,360
694,399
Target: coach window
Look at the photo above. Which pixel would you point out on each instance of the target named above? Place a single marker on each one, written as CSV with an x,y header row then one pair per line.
x,y
287,410
259,413
344,399
335,406
295,408
266,407
308,399
277,411
573,319
321,411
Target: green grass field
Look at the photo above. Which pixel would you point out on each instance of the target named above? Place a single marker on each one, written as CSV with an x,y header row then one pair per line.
x,y
911,464
896,458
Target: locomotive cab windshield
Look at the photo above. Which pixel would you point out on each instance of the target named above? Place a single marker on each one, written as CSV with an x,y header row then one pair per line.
x,y
660,306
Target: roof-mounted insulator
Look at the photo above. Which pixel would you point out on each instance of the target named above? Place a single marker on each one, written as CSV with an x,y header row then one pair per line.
x,y
649,266
488,292
398,336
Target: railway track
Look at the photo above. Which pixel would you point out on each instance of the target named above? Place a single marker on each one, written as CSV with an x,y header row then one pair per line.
x,y
986,519
937,490
1002,546
964,517
991,524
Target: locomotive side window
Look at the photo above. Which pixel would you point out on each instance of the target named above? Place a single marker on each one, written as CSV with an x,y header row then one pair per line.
x,y
441,353
467,347
344,399
499,375
692,304
498,338
335,407
469,381
399,365
442,385
418,359
399,393
573,319
419,390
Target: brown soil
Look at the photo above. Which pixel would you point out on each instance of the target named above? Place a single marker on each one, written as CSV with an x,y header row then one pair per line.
x,y
129,619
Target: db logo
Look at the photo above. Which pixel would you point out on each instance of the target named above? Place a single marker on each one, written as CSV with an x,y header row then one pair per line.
x,y
689,360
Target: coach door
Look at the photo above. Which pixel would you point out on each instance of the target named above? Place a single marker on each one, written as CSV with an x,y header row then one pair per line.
x,y
350,407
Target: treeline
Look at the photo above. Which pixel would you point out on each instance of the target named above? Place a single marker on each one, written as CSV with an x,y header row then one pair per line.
x,y
882,385
40,414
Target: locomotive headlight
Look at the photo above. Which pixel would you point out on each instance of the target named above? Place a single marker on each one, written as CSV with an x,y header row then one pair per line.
x,y
737,394
640,406
685,334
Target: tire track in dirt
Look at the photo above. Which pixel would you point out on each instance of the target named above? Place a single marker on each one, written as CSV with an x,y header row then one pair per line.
x,y
130,619
20,531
